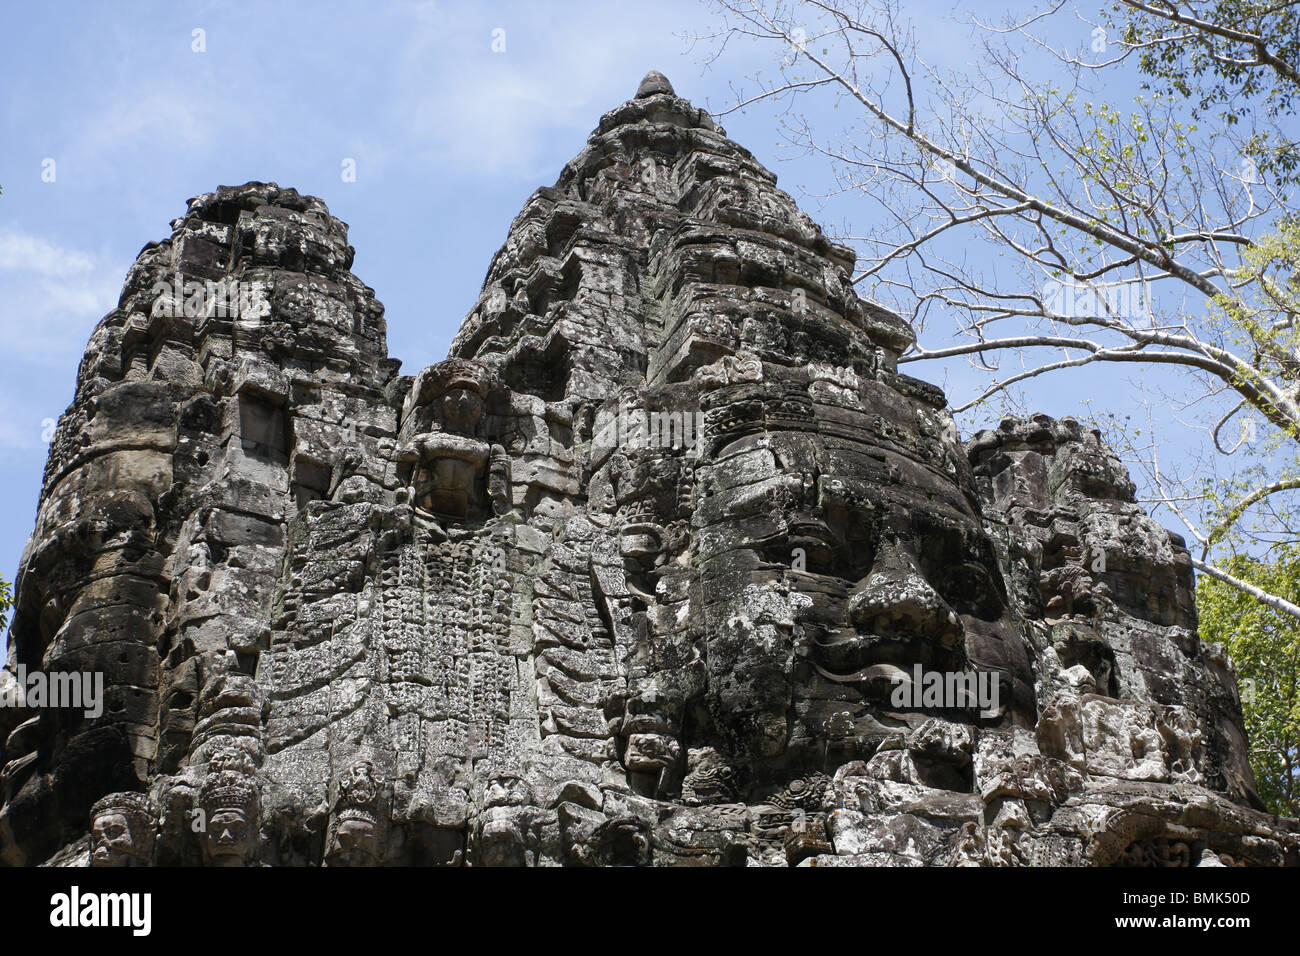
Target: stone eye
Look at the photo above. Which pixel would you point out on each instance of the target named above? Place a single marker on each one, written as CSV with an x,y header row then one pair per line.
x,y
970,589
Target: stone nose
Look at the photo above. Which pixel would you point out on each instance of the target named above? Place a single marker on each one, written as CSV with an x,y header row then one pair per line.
x,y
897,599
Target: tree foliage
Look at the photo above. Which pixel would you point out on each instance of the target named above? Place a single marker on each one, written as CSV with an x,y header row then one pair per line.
x,y
1265,645
6,601
1235,60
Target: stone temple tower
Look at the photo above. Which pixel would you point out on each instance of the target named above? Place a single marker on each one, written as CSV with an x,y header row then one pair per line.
x,y
665,564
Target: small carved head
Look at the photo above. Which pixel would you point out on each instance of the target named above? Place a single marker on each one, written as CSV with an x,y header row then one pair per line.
x,y
455,392
123,828
231,806
355,839
506,789
460,410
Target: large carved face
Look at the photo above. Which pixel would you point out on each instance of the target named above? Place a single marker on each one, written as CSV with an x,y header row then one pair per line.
x,y
506,821
832,565
504,838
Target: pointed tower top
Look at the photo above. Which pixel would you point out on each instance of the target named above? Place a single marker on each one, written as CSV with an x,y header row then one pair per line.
x,y
654,82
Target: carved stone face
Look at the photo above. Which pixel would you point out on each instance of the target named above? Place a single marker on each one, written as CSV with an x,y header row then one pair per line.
x,y
360,782
359,816
112,842
909,586
123,829
504,838
650,487
460,410
708,779
230,837
650,728
832,565
356,843
505,827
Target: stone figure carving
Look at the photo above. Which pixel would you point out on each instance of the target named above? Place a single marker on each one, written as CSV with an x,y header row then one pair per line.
x,y
123,827
231,811
357,834
665,564
448,463
621,841
509,824
708,779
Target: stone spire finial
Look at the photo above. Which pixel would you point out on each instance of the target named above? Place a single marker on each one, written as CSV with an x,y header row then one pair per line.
x,y
654,82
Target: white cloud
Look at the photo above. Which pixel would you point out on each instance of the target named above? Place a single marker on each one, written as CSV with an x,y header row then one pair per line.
x,y
23,252
179,118
496,114
52,297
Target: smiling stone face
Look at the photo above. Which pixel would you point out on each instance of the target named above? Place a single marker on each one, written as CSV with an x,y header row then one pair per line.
x,y
840,547
356,843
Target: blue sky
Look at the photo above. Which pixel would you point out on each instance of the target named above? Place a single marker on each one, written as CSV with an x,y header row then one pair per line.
x,y
448,137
